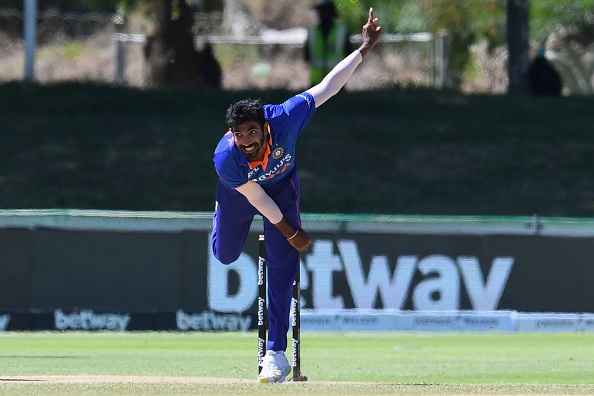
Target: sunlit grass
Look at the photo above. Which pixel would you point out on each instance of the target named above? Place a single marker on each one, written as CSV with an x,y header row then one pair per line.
x,y
386,152
336,363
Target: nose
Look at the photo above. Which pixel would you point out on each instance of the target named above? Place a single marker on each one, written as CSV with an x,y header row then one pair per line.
x,y
243,140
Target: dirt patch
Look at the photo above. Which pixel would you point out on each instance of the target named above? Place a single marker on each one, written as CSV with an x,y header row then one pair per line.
x,y
119,379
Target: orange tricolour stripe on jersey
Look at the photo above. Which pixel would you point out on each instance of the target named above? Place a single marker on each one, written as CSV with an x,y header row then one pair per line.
x,y
264,162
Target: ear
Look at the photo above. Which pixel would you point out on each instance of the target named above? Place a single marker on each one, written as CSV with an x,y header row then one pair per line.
x,y
267,127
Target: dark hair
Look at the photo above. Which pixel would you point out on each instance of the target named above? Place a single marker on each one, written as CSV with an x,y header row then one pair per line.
x,y
245,110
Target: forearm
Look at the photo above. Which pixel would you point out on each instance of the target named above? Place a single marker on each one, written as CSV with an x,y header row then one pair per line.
x,y
256,195
261,201
336,79
287,229
341,73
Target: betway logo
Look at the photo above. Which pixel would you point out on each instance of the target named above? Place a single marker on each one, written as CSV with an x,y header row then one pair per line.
x,y
88,320
211,321
438,289
4,320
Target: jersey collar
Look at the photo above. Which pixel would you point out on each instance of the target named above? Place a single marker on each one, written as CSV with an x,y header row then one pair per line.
x,y
264,162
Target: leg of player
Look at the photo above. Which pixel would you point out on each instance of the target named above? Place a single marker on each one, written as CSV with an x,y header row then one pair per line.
x,y
232,219
282,261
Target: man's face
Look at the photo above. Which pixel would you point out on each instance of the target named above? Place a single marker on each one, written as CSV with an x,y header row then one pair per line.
x,y
251,139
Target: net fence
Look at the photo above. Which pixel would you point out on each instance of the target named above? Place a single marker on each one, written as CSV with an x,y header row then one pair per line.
x,y
70,46
90,47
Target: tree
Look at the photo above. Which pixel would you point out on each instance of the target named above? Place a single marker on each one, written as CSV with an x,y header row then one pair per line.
x,y
566,29
170,54
466,23
573,18
518,47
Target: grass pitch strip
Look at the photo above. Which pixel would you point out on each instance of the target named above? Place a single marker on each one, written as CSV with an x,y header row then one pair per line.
x,y
175,363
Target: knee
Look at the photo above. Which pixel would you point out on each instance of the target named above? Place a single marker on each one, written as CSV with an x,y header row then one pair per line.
x,y
225,257
227,251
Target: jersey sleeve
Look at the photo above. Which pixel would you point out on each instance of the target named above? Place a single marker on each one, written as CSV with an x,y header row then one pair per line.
x,y
227,164
229,170
293,114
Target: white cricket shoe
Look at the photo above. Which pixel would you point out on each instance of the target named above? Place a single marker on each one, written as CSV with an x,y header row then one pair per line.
x,y
275,368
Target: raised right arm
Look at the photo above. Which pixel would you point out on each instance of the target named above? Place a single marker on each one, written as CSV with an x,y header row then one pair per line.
x,y
340,74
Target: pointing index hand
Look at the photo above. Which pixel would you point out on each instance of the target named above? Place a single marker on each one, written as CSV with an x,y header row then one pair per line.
x,y
371,33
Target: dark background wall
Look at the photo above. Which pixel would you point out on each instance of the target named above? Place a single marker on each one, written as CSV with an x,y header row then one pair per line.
x,y
134,271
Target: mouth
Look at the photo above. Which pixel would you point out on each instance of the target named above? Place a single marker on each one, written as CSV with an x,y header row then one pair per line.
x,y
249,149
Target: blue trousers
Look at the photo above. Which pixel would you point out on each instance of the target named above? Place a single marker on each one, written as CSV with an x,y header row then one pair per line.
x,y
231,224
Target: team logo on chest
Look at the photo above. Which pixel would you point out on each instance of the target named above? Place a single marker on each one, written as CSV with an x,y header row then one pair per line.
x,y
278,152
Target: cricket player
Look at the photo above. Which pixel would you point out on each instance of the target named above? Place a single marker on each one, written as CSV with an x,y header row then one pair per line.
x,y
255,161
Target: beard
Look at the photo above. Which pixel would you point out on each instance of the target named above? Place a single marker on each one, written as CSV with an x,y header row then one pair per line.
x,y
251,155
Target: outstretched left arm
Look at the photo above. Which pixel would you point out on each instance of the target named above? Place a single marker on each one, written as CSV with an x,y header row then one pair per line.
x,y
341,73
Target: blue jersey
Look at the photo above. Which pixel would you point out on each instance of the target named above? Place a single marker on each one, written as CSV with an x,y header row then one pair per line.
x,y
286,122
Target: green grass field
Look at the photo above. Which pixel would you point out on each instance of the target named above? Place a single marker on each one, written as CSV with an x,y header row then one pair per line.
x,y
173,363
387,152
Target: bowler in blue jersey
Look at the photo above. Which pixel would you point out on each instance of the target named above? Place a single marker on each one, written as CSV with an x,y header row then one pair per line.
x,y
255,161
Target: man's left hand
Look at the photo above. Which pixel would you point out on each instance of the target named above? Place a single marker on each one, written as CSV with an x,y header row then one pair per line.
x,y
301,241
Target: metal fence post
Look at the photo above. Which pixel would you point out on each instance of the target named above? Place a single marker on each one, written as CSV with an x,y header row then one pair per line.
x,y
442,59
30,33
119,61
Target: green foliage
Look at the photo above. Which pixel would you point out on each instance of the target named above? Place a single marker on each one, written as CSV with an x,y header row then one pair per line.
x,y
466,23
125,6
469,21
395,16
575,17
351,12
68,51
409,17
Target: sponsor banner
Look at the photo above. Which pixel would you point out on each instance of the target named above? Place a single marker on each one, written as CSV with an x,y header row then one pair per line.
x,y
587,322
311,320
211,321
4,321
16,321
424,273
379,272
174,273
89,320
111,271
554,322
428,321
390,320
353,320
487,321
476,321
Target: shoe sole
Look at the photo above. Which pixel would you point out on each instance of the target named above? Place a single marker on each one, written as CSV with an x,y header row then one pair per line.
x,y
267,381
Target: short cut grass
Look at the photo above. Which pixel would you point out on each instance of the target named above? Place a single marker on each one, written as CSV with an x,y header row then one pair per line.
x,y
336,363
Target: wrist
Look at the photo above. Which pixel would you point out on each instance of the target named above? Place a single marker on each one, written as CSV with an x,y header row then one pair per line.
x,y
287,229
364,49
294,235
